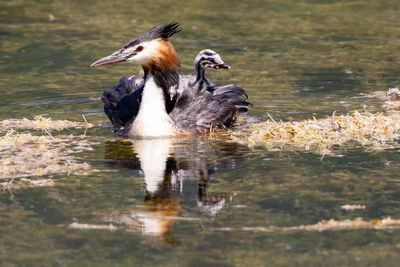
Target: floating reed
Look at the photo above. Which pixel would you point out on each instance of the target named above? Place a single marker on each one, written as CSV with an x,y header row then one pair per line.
x,y
42,123
24,155
330,225
371,130
27,155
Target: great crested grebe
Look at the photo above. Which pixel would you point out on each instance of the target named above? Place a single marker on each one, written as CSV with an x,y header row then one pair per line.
x,y
121,103
167,104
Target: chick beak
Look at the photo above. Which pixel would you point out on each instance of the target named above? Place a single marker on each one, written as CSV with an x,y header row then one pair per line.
x,y
111,59
222,66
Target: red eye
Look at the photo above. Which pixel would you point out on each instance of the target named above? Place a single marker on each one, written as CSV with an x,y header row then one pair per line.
x,y
139,48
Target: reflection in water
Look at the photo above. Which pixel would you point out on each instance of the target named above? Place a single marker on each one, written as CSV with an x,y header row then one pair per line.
x,y
210,203
165,163
153,156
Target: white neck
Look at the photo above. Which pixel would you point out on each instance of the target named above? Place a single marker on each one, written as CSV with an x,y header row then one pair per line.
x,y
152,119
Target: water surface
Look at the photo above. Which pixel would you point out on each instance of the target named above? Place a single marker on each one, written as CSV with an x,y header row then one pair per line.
x,y
187,202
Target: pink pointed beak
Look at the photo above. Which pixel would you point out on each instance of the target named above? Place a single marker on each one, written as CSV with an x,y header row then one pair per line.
x,y
222,66
111,59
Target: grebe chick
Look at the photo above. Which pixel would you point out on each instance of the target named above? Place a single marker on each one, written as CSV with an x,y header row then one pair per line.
x,y
159,114
207,58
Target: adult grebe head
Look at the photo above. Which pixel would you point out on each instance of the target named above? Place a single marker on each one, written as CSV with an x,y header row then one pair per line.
x,y
153,51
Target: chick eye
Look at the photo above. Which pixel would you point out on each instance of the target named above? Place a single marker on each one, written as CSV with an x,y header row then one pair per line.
x,y
139,48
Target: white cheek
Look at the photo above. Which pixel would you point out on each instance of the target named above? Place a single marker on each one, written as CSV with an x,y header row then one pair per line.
x,y
139,58
146,55
132,59
218,59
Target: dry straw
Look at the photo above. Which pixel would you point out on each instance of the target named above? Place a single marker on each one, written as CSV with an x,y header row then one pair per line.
x,y
41,123
371,130
330,225
24,155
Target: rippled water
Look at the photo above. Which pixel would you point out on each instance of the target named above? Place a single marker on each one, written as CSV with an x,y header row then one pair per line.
x,y
198,201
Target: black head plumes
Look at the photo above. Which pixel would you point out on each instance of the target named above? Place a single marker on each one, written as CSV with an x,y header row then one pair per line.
x,y
162,31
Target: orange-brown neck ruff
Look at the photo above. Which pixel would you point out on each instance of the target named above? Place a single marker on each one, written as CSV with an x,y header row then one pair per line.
x,y
165,66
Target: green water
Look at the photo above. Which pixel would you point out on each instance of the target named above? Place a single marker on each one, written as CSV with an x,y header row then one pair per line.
x,y
296,59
